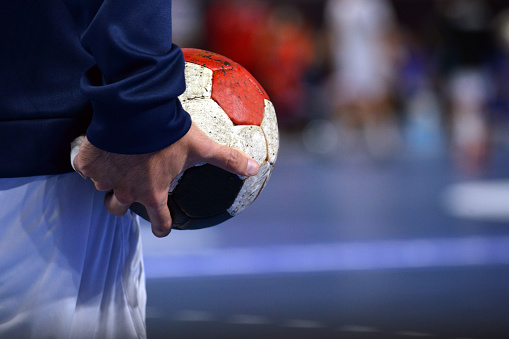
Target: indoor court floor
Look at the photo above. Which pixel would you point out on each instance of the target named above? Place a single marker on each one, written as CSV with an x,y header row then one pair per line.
x,y
343,248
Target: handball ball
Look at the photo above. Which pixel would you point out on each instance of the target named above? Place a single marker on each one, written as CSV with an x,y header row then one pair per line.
x,y
231,107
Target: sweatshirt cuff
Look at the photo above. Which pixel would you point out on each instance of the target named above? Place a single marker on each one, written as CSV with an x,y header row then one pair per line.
x,y
149,131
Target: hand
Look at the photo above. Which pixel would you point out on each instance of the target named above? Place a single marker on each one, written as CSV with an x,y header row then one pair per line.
x,y
146,178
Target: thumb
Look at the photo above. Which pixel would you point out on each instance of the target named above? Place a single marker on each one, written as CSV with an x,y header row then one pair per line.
x,y
234,161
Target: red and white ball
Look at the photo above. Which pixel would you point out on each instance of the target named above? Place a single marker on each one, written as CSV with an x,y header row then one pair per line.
x,y
229,105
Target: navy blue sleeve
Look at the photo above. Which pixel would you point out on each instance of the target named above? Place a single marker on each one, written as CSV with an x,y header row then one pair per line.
x,y
139,74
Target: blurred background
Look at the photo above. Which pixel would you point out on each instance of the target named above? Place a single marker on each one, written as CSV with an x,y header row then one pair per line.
x,y
387,214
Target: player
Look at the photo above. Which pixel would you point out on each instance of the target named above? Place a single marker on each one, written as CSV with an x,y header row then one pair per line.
x,y
108,68
363,56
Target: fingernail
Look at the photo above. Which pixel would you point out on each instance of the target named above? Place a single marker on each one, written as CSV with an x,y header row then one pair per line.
x,y
252,167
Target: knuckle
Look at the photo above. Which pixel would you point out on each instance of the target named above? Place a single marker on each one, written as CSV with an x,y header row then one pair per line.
x,y
101,186
154,200
124,197
233,159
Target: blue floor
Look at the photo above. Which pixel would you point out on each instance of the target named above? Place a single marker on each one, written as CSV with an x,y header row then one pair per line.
x,y
340,248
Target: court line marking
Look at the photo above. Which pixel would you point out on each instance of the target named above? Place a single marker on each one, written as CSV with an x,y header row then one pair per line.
x,y
250,319
332,257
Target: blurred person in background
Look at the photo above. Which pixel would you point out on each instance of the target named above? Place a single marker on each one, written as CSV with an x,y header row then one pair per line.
x,y
273,42
418,97
284,55
465,50
499,107
232,28
363,58
187,28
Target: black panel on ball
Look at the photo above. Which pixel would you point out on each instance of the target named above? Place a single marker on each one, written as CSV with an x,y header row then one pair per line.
x,y
201,198
206,191
198,223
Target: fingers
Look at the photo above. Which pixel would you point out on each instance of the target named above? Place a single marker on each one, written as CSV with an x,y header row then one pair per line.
x,y
84,156
160,218
159,213
114,206
126,179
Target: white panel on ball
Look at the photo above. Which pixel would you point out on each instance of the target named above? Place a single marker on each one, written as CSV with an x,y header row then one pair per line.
x,y
211,119
250,190
199,82
250,139
270,128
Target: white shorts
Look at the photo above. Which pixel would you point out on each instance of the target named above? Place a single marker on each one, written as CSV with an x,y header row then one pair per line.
x,y
68,269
